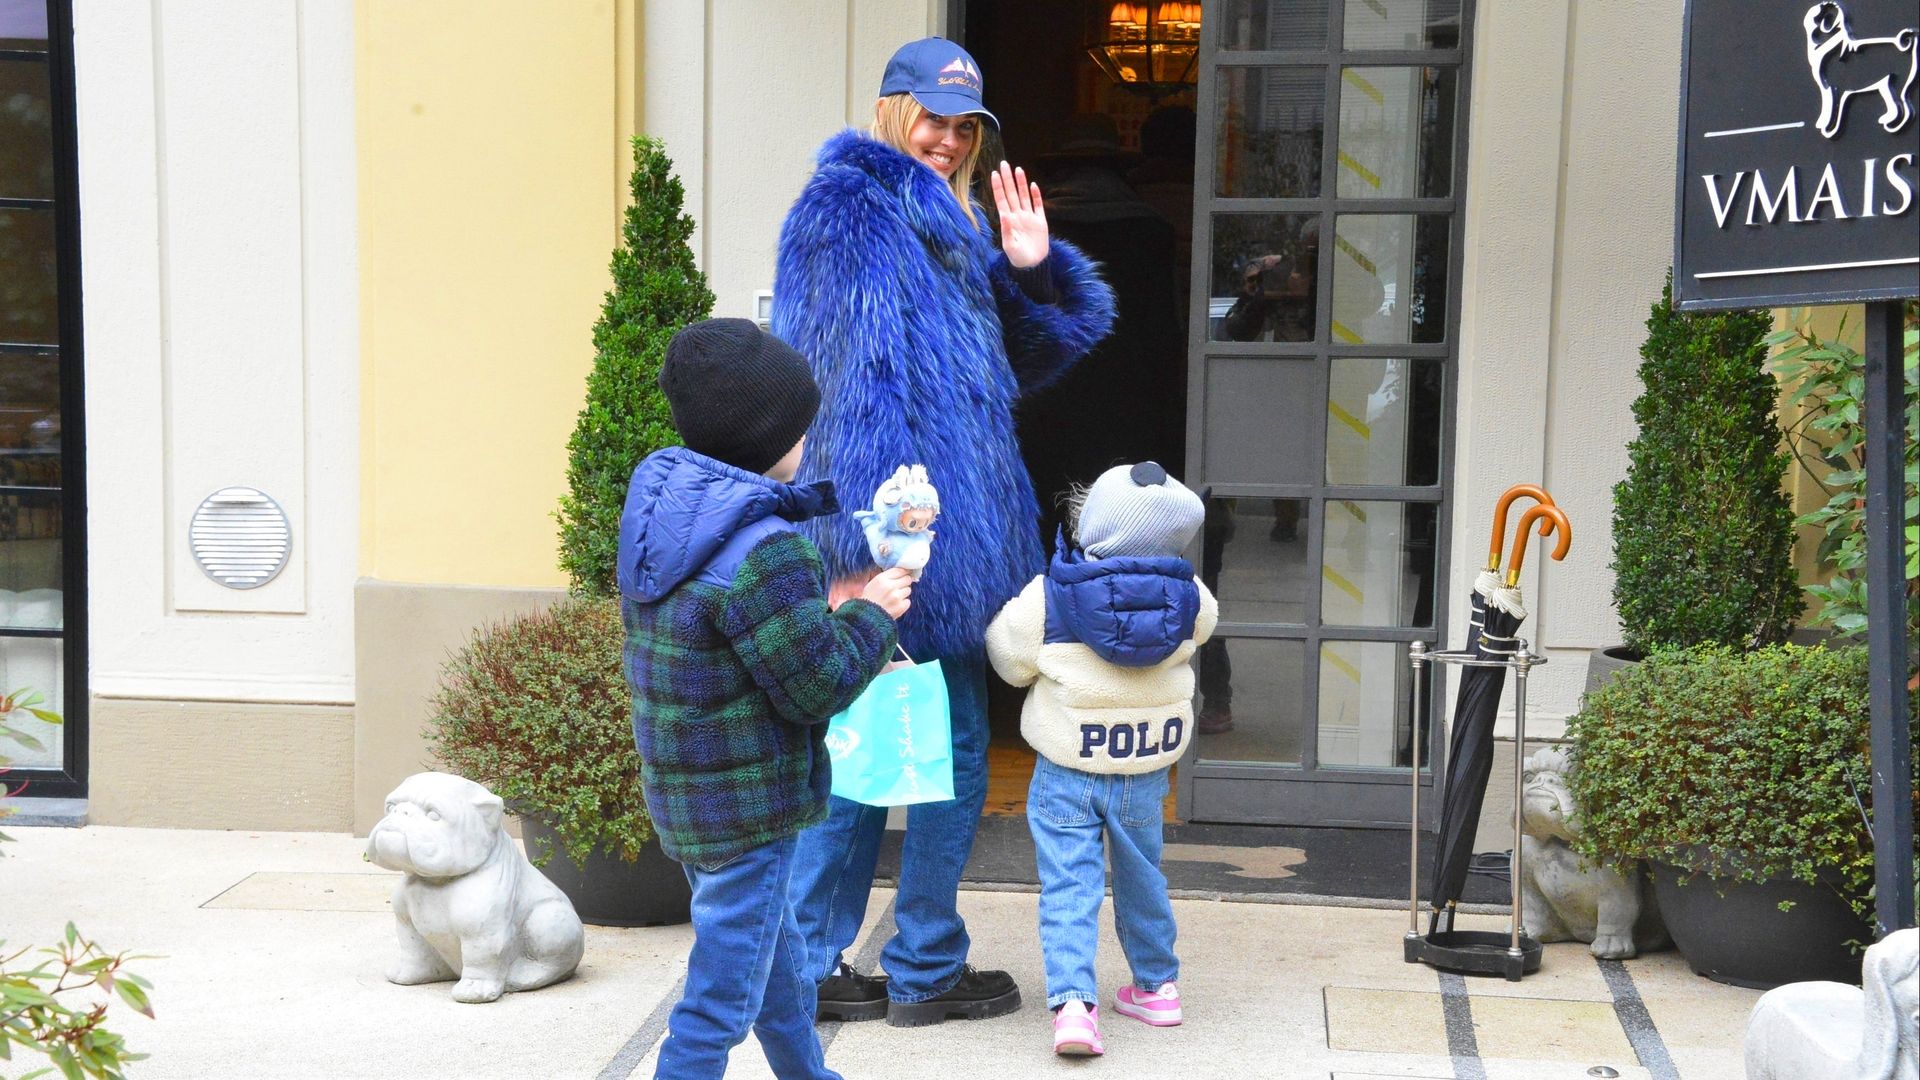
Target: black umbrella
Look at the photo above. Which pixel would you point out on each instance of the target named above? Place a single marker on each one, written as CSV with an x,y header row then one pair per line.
x,y
1497,614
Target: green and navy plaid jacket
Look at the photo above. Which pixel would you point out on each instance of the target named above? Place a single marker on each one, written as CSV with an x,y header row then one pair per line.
x,y
734,660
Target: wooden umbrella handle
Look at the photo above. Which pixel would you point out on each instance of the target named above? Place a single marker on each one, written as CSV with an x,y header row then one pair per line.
x,y
1552,519
1495,545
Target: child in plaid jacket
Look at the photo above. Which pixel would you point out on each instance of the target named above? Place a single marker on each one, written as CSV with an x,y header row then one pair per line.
x,y
736,663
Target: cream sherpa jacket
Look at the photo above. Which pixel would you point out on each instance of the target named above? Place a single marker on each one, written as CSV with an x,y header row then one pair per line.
x,y
1085,711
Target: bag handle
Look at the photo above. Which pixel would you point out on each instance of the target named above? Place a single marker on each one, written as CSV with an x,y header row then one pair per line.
x,y
903,652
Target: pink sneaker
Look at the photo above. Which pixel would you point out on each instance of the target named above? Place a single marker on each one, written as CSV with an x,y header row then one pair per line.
x,y
1076,1030
1161,1008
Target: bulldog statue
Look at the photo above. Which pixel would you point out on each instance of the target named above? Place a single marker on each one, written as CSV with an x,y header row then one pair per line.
x,y
1565,898
470,907
1832,1031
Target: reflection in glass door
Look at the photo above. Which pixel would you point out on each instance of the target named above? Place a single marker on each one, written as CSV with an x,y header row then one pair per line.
x,y
41,509
1331,159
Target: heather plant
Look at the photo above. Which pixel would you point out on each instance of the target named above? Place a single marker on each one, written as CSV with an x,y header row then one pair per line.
x,y
1702,529
657,289
537,709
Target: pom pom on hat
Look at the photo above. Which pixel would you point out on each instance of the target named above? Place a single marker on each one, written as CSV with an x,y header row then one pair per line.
x,y
1138,510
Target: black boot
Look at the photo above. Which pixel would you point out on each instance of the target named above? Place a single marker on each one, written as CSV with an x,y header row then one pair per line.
x,y
848,996
978,995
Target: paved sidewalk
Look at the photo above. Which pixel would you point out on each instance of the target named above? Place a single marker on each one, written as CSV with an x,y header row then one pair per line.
x,y
272,947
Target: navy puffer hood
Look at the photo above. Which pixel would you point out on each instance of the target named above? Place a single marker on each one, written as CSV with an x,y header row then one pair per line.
x,y
1134,612
683,508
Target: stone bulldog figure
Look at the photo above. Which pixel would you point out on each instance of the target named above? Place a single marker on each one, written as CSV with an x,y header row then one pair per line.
x,y
1831,1031
470,907
1566,899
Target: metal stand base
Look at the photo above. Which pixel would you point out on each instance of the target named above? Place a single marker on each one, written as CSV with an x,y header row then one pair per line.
x,y
1475,952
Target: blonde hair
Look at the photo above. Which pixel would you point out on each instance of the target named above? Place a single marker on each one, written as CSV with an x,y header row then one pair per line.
x,y
895,115
1073,501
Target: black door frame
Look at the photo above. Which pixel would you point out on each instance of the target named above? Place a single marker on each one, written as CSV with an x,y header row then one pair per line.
x,y
1304,793
1248,792
70,779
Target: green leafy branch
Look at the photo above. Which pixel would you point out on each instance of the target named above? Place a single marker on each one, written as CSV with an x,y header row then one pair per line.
x,y
11,706
39,1010
45,1005
1826,378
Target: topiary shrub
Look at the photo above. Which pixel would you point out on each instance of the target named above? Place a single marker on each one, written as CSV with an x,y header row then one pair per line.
x,y
537,709
1749,765
657,289
1702,529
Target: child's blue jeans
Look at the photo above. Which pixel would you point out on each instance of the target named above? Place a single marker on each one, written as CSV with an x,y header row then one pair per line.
x,y
1070,813
744,972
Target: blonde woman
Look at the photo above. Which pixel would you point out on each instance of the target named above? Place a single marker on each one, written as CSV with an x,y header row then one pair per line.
x,y
923,335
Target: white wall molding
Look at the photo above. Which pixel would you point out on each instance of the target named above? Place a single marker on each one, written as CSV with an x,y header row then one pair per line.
x,y
204,686
217,192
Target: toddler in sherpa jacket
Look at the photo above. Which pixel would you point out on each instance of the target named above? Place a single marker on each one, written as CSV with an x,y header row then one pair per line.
x,y
736,664
1104,639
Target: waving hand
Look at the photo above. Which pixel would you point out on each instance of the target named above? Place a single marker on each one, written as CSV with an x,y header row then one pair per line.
x,y
1023,218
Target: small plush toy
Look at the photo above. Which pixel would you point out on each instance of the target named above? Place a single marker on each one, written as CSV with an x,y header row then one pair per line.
x,y
899,527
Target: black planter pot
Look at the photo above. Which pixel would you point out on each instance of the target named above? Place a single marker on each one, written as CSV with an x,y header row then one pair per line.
x,y
609,891
1606,663
1734,931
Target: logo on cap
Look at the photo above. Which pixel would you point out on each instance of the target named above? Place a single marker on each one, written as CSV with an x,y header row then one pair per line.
x,y
960,73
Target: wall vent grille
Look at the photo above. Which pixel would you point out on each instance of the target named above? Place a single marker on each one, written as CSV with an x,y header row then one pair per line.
x,y
240,537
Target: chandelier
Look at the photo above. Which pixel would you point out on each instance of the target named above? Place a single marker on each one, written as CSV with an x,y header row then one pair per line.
x,y
1149,48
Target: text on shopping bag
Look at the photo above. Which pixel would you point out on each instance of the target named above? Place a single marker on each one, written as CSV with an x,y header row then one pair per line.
x,y
894,745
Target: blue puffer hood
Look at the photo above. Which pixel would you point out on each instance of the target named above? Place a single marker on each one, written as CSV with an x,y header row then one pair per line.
x,y
683,507
1134,612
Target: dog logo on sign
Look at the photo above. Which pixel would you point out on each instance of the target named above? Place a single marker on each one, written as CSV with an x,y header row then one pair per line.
x,y
1844,65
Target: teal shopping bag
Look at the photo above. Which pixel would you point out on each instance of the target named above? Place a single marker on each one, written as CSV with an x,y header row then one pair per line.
x,y
894,745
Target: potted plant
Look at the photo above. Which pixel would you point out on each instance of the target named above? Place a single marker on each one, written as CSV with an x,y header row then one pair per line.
x,y
1702,529
1739,776
537,708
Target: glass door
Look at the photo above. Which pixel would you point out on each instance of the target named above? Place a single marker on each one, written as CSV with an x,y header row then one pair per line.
x,y
1326,299
42,575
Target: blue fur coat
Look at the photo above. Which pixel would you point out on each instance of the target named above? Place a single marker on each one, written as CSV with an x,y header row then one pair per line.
x,y
922,343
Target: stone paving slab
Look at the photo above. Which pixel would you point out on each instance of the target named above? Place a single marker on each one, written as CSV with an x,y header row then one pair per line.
x,y
283,891
271,948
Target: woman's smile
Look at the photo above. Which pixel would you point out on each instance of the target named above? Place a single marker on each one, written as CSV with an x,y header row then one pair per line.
x,y
942,142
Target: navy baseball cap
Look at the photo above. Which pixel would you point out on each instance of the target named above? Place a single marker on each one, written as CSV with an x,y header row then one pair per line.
x,y
940,76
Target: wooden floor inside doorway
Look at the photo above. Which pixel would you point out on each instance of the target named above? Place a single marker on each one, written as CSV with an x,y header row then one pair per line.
x,y
1010,770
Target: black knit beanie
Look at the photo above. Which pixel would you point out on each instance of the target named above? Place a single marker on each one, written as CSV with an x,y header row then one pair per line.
x,y
738,394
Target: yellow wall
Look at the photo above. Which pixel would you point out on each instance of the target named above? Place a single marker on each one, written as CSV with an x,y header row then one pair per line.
x,y
492,161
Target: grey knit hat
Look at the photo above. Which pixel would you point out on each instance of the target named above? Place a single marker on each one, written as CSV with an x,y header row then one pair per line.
x,y
1138,510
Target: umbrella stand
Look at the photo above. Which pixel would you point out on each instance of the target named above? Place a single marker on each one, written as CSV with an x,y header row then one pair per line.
x,y
1473,952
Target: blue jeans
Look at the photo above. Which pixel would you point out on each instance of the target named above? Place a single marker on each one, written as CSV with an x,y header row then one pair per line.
x,y
833,870
744,972
1070,812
